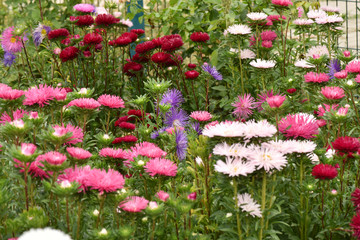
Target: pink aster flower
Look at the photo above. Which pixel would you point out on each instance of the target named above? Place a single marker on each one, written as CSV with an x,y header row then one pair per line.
x,y
40,95
10,94
316,77
244,106
262,98
276,101
283,3
160,166
321,111
299,125
76,174
18,114
341,75
78,153
84,7
134,204
201,116
103,181
28,149
268,35
10,42
77,133
54,158
59,93
353,66
36,167
111,101
33,115
147,149
86,103
114,153
163,196
332,93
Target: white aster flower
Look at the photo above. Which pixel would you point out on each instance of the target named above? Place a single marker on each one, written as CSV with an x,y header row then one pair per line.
x,y
126,22
259,129
279,145
225,129
316,14
267,158
101,10
330,9
244,53
239,29
44,234
313,158
303,64
317,50
199,161
257,16
259,63
234,167
330,153
302,146
247,204
235,150
303,22
329,19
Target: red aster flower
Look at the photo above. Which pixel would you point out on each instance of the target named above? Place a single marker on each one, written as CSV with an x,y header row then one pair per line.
x,y
111,42
174,60
199,37
172,44
356,198
346,144
121,119
126,125
160,57
84,21
131,67
324,171
135,112
355,225
191,74
130,35
128,138
138,32
92,39
191,65
138,58
144,47
69,53
106,20
122,41
58,33
291,90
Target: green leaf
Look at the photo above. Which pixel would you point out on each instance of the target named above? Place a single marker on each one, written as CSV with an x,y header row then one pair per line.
x,y
214,57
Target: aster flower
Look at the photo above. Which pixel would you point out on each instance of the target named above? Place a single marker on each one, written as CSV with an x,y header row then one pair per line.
x,y
77,174
264,64
58,33
172,97
353,66
257,16
77,134
40,33
303,22
10,94
103,181
9,59
304,64
176,117
191,74
244,106
346,144
212,71
235,150
148,149
128,139
267,158
258,129
199,37
317,51
54,158
341,75
196,127
27,149
299,125
324,171
69,53
10,42
234,167
276,101
247,204
239,29
134,204
92,39
247,54
181,143
163,196
332,93
356,198
160,166
268,35
85,8
282,3
111,101
316,77
316,13
262,98
44,233
113,153
126,23
86,103
126,125
225,129
83,21
78,153
329,19
355,225
201,116
40,95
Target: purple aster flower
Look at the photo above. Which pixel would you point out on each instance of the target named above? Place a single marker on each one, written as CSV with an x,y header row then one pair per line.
x,y
334,67
40,33
9,59
181,143
196,127
212,71
176,118
156,134
172,97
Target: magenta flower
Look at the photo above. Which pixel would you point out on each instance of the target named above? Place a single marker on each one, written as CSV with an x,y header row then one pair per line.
x,y
40,95
59,93
18,114
163,196
85,103
134,204
78,153
262,98
341,75
316,77
147,149
77,133
283,3
160,166
10,94
192,196
114,153
332,93
321,111
201,116
244,106
276,101
268,35
28,149
54,158
299,125
77,174
85,8
353,66
111,101
103,181
10,42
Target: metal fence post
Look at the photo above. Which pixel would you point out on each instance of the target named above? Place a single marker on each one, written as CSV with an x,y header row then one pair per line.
x,y
136,21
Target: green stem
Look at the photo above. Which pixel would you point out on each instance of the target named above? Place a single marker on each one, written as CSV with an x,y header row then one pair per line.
x,y
241,69
237,212
78,220
263,203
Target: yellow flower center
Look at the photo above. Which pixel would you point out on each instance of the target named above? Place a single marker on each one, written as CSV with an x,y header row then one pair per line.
x,y
267,157
43,32
13,40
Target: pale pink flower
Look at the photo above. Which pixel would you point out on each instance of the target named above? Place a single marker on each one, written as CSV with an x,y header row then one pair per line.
x,y
160,166
257,16
57,51
303,22
114,153
10,42
163,196
54,158
341,75
283,3
103,181
225,129
258,129
10,94
33,115
78,153
18,123
300,12
316,77
259,63
134,204
111,101
234,167
86,103
299,125
342,111
329,19
127,22
238,29
60,131
276,101
153,205
201,116
318,51
332,93
244,106
28,149
330,9
316,14
85,8
304,64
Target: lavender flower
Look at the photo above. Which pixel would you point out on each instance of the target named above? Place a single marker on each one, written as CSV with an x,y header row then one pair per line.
x,y
172,97
40,33
176,118
9,59
334,67
212,71
181,144
196,127
156,134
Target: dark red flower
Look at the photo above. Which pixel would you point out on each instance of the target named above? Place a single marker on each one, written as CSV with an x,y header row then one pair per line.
x,y
324,171
130,35
112,43
144,47
127,125
83,21
356,198
58,33
121,119
137,31
191,65
172,62
138,58
157,42
122,41
106,20
67,89
172,44
135,112
128,138
92,38
160,57
346,144
199,37
131,67
69,53
192,74
291,90
355,225
87,54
